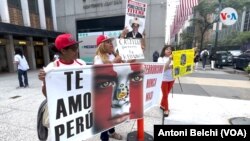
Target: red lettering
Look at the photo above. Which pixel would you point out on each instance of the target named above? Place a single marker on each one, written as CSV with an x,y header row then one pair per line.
x,y
149,96
223,15
151,82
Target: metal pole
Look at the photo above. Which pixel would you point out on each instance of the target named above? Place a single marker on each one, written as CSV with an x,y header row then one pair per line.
x,y
217,26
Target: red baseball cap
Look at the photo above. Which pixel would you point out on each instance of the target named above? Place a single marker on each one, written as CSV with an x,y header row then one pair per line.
x,y
65,40
102,38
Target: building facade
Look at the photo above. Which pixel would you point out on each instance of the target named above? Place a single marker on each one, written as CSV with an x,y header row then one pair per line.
x,y
30,25
88,17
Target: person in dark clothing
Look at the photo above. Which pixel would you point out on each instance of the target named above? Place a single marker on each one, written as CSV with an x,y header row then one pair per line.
x,y
156,55
135,24
212,58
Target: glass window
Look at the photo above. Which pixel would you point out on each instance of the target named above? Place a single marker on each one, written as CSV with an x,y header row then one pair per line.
x,y
15,4
33,6
47,6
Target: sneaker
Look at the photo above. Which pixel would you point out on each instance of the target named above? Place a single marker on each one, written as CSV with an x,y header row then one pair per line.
x,y
116,136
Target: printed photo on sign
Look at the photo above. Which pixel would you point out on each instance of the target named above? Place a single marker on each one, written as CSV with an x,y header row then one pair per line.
x,y
84,101
117,93
135,18
183,62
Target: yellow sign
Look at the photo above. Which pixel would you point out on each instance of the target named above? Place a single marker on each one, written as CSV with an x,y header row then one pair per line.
x,y
183,62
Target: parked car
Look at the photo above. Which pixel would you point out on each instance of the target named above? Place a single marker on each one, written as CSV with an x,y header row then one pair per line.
x,y
235,53
242,61
223,58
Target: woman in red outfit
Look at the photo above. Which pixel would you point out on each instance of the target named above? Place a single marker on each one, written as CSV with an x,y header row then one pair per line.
x,y
168,79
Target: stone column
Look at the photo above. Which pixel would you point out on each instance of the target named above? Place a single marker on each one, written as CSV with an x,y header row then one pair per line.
x,y
25,11
4,11
42,14
31,53
10,53
53,9
46,52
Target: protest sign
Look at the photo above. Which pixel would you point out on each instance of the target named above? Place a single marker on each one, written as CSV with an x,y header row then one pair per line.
x,y
129,49
86,100
135,12
183,62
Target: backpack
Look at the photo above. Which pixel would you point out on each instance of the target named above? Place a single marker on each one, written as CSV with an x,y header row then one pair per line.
x,y
205,54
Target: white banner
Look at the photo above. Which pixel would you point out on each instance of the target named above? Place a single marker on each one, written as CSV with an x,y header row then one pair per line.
x,y
129,49
84,101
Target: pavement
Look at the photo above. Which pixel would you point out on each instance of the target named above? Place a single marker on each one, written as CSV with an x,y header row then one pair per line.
x,y
204,97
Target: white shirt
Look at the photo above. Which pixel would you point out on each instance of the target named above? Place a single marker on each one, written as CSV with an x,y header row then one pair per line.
x,y
98,60
22,62
167,75
58,63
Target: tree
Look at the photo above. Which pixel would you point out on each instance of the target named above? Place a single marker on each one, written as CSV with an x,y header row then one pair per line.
x,y
205,11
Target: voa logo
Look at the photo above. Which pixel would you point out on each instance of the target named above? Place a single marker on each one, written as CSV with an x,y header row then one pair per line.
x,y
228,16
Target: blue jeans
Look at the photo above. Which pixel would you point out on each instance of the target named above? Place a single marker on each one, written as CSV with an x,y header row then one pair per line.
x,y
20,79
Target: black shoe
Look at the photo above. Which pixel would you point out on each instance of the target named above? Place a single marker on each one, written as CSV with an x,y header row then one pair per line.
x,y
166,113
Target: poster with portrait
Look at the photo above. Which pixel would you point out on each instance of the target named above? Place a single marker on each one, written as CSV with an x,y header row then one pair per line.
x,y
86,100
183,62
135,14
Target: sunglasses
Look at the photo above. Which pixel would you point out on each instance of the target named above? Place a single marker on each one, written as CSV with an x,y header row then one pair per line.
x,y
73,48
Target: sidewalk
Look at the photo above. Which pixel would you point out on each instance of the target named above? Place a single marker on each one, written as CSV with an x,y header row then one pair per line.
x,y
18,107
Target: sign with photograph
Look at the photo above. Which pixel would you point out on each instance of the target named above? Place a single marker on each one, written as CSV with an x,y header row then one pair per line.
x,y
135,14
183,62
84,101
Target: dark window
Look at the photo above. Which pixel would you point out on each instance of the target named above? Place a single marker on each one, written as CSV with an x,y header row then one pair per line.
x,y
33,6
47,6
101,24
247,21
15,4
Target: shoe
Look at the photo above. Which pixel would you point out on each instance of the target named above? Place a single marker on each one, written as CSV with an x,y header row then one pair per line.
x,y
166,113
26,86
162,108
116,136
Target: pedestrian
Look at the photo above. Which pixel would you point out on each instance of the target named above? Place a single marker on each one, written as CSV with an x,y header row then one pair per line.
x,y
155,56
105,55
204,55
67,47
22,67
196,58
168,79
212,58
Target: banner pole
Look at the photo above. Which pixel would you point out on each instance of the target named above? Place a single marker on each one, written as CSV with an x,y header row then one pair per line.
x,y
140,127
139,135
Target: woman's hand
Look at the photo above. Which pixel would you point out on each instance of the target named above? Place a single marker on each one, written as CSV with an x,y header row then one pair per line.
x,y
118,59
41,75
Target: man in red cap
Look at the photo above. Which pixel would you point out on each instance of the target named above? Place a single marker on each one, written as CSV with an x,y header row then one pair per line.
x,y
67,47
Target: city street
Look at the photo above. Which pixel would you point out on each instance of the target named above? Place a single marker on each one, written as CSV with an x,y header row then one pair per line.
x,y
206,99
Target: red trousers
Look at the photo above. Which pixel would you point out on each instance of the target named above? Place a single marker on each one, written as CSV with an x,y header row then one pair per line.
x,y
166,87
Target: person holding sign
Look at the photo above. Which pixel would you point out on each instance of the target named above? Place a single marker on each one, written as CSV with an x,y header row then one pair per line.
x,y
67,47
105,55
168,79
118,94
